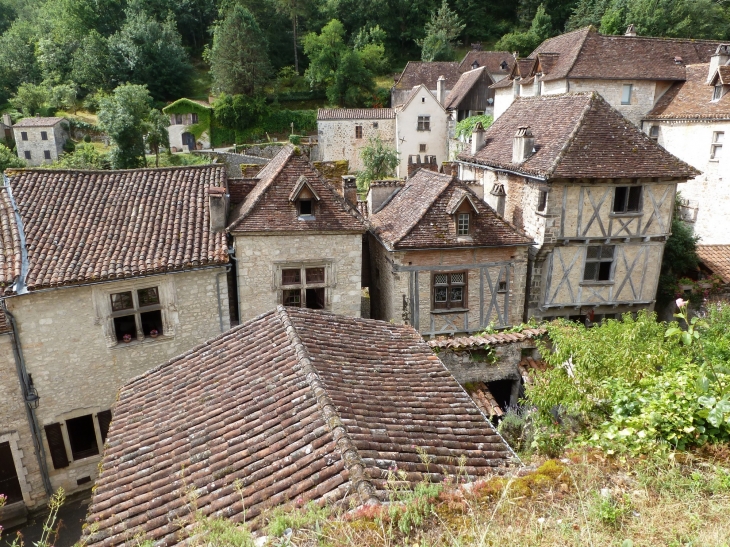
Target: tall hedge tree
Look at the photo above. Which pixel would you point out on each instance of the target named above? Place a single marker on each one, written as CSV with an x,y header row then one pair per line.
x,y
239,62
124,117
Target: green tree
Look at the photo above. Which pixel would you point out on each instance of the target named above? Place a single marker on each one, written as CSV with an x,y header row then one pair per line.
x,y
239,112
442,31
86,156
157,135
239,62
90,64
8,159
17,58
353,83
679,260
293,9
31,99
370,45
525,42
380,162
123,116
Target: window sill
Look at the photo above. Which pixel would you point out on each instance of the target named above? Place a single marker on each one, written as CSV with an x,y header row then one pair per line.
x,y
714,160
595,283
306,217
624,215
440,311
136,343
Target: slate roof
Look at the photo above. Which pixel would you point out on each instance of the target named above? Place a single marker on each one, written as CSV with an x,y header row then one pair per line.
x,y
294,404
691,99
324,114
268,207
717,259
38,122
89,226
465,84
577,135
420,72
418,217
584,53
491,60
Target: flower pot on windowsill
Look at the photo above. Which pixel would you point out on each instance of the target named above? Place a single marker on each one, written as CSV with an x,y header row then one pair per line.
x,y
154,333
127,338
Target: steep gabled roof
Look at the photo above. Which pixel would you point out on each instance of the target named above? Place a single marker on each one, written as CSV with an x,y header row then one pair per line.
x,y
577,135
412,95
419,217
491,60
465,84
268,208
692,99
89,226
419,72
38,122
295,404
722,75
326,114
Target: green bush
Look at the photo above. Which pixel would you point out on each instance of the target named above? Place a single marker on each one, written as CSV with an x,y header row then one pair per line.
x,y
465,127
295,139
516,428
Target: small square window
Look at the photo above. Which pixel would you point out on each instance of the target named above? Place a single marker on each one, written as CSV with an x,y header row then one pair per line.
x,y
502,286
716,149
449,290
424,123
44,135
315,275
626,93
193,118
358,131
627,199
291,276
654,133
125,325
462,224
122,301
23,136
599,261
293,297
421,147
148,297
178,119
315,298
542,201
47,154
305,207
27,154
151,321
375,125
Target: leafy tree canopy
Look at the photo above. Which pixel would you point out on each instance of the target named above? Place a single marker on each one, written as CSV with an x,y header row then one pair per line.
x,y
124,116
441,33
525,42
380,161
9,159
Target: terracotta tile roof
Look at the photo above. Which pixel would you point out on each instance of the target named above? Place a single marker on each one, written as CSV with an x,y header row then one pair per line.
x,y
577,135
464,86
495,339
723,75
38,122
584,53
419,72
4,323
418,217
288,406
692,99
717,259
491,60
483,398
268,207
355,114
528,365
89,226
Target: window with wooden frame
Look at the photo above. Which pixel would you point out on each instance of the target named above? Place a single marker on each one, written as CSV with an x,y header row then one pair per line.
x,y
9,483
716,149
82,440
717,93
82,437
23,136
178,119
424,123
422,147
44,135
627,199
463,224
47,154
449,290
599,263
358,131
137,314
193,118
304,287
626,93
654,133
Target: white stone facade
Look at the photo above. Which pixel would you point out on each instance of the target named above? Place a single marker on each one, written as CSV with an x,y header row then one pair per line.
x,y
77,368
37,144
412,137
342,140
181,139
260,259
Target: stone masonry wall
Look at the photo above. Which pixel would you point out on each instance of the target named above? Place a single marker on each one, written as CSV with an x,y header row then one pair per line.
x,y
337,140
75,371
37,146
477,365
260,257
643,95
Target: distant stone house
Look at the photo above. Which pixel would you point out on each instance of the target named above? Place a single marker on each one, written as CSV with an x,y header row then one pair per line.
x,y
190,124
344,132
594,193
630,72
294,405
297,241
103,275
691,121
423,73
442,260
40,140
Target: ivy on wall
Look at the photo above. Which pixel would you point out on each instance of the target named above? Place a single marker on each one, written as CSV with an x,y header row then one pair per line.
x,y
205,116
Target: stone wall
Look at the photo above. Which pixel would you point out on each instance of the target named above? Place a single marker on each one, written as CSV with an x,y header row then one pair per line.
x,y
75,368
37,147
410,141
480,365
338,140
260,259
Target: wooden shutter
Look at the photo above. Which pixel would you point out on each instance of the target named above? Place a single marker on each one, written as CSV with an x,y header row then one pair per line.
x,y
56,446
105,418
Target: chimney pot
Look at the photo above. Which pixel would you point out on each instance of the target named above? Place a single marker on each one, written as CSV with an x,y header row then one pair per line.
x,y
349,184
218,208
630,30
477,138
523,144
720,58
440,90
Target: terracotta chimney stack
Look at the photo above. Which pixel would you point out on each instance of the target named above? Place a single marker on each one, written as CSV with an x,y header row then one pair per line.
x,y
630,30
477,138
523,144
218,208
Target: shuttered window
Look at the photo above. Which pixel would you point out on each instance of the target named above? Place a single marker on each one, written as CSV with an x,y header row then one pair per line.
x,y
56,446
105,419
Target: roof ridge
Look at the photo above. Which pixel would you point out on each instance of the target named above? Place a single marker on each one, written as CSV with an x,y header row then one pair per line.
x,y
105,171
427,204
580,48
348,451
581,120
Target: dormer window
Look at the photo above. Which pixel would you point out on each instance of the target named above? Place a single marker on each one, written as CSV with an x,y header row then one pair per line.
x,y
304,198
462,224
503,65
474,65
461,207
305,207
717,93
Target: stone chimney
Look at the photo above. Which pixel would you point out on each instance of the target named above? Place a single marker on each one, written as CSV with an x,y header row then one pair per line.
x,y
477,138
7,122
218,207
380,191
349,185
630,30
440,90
720,58
523,144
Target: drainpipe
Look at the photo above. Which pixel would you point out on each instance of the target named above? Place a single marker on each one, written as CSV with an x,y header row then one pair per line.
x,y
30,411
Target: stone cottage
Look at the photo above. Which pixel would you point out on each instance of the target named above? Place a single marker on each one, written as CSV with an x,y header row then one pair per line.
x,y
284,420
40,140
594,193
190,124
691,121
103,275
442,260
297,241
344,132
631,72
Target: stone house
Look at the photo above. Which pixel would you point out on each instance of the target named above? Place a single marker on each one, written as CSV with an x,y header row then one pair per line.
x,y
294,410
344,132
497,63
40,140
6,130
421,127
103,275
630,72
297,241
691,121
594,193
190,124
423,73
442,260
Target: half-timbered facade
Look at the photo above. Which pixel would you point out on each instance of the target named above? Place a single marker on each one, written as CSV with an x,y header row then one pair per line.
x,y
593,191
442,260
